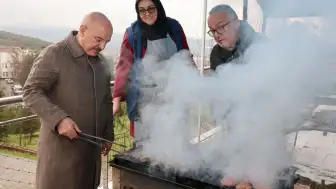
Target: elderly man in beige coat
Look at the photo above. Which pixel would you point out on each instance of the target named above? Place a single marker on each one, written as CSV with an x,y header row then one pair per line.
x,y
69,89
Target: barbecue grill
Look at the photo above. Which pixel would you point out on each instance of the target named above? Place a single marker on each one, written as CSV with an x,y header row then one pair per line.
x,y
136,173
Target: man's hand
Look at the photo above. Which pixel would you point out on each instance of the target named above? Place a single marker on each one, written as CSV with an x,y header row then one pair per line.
x,y
244,185
259,186
193,63
67,127
106,147
190,54
228,181
116,105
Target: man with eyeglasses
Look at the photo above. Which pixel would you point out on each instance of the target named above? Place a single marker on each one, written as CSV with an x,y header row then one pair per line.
x,y
232,35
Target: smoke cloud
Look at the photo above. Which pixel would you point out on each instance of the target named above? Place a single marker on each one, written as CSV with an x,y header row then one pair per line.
x,y
252,103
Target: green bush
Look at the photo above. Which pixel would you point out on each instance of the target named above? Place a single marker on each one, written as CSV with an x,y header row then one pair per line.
x,y
24,129
121,121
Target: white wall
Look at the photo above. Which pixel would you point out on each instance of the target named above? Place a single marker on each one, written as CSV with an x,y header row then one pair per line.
x,y
6,67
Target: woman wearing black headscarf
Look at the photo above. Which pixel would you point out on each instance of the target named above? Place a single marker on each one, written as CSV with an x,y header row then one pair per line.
x,y
152,34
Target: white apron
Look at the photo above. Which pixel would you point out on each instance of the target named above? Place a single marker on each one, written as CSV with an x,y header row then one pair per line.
x,y
158,50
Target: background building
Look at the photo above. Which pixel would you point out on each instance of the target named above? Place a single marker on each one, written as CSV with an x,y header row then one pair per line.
x,y
6,64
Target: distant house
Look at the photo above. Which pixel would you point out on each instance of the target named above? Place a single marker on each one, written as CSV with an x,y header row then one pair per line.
x,y
7,70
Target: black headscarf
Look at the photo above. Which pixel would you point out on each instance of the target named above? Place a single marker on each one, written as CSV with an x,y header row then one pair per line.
x,y
160,28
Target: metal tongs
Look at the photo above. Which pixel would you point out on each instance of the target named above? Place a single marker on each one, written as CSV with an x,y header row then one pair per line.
x,y
89,138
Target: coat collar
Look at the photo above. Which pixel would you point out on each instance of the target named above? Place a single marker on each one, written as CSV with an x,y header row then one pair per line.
x,y
73,45
246,36
75,48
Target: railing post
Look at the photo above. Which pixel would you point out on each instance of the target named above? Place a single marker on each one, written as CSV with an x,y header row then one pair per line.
x,y
124,138
105,171
199,107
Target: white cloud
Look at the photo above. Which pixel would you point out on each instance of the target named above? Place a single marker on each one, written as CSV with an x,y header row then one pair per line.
x,y
68,13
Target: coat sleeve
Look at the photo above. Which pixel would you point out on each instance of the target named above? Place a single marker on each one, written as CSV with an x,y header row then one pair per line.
x,y
109,128
43,75
184,40
122,69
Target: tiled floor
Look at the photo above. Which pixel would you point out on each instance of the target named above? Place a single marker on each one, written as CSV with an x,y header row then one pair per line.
x,y
315,156
19,173
16,173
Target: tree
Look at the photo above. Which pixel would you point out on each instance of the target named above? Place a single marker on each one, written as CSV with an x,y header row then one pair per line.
x,y
23,129
6,113
27,127
2,94
121,122
23,60
3,129
3,133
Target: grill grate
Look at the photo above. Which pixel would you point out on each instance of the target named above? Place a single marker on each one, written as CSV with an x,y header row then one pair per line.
x,y
204,178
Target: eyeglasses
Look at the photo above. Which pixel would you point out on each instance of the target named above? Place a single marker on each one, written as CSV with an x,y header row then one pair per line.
x,y
221,29
150,10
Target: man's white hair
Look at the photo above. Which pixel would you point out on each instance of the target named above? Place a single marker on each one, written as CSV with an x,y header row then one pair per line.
x,y
224,8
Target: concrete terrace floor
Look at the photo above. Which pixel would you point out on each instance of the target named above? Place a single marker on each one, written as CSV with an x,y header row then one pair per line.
x,y
19,173
315,156
16,173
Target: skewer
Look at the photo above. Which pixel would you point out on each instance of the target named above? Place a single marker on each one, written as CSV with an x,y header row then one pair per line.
x,y
99,138
85,137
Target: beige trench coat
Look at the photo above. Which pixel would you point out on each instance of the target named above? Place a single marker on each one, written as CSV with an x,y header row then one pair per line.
x,y
63,82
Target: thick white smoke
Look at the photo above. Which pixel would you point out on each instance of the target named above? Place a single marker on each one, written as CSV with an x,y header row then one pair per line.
x,y
253,103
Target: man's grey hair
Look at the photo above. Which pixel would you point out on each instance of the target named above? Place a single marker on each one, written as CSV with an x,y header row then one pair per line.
x,y
224,8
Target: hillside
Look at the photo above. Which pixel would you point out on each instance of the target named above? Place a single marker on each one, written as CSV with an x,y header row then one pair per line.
x,y
54,34
11,39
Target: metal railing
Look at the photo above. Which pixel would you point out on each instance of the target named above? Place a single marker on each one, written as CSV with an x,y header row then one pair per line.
x,y
15,120
122,138
5,101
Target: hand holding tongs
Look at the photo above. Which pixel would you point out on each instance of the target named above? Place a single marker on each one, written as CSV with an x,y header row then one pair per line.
x,y
89,138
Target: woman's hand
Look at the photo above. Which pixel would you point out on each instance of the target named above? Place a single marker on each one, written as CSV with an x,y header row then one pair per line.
x,y
116,105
